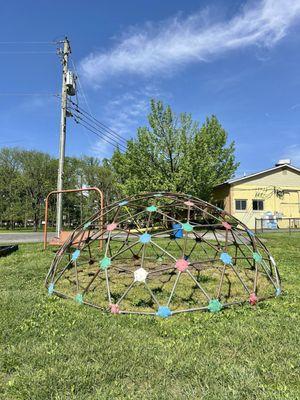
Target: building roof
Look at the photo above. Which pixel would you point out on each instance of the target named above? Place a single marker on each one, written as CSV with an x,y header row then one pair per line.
x,y
256,174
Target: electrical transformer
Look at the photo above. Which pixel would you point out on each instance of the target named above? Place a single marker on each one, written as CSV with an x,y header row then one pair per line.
x,y
71,83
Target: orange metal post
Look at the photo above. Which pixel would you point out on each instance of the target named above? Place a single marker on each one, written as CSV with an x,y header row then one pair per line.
x,y
70,191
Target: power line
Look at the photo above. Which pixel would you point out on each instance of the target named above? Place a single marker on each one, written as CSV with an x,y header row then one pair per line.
x,y
90,120
98,126
118,145
87,115
99,131
84,131
81,87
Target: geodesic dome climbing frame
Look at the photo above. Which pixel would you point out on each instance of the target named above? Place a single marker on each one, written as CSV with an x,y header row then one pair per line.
x,y
163,254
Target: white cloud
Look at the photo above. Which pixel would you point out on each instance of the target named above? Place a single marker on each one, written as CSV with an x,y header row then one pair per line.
x,y
175,42
127,116
293,153
124,113
102,149
297,105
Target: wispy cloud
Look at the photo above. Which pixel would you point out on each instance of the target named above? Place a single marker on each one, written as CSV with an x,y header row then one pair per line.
x,y
163,47
31,104
124,113
127,112
293,153
101,149
297,105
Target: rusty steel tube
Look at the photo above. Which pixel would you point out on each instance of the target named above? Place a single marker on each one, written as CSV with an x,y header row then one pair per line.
x,y
72,191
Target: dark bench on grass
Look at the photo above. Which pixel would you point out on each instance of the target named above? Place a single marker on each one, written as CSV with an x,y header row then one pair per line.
x,y
6,250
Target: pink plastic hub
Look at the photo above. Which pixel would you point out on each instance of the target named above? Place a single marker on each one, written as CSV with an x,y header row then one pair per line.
x,y
253,299
111,227
181,265
226,225
189,203
114,309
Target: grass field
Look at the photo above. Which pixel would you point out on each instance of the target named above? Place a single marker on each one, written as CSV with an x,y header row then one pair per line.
x,y
56,349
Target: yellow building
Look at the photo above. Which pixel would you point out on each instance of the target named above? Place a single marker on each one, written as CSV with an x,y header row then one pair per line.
x,y
272,195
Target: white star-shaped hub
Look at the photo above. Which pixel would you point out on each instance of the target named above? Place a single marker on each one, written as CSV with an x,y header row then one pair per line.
x,y
140,275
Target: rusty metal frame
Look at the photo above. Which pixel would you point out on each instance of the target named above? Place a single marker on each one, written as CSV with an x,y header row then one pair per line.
x,y
94,188
235,249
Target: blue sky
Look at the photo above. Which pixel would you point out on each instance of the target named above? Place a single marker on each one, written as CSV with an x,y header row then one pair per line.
x,y
236,59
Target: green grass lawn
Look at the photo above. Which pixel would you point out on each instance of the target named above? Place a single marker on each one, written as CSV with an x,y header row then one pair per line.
x,y
56,349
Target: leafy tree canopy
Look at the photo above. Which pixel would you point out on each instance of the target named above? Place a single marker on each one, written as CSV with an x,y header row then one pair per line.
x,y
173,153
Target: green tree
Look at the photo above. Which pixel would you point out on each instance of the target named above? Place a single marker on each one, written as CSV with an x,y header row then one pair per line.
x,y
37,179
28,176
211,160
100,175
10,193
175,154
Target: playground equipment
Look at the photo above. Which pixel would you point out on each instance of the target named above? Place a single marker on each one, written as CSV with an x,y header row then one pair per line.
x,y
163,254
64,235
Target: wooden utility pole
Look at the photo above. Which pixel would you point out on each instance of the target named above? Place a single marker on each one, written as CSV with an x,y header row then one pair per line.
x,y
62,141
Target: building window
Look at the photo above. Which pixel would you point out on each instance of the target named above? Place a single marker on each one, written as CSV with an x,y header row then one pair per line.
x,y
240,205
257,205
